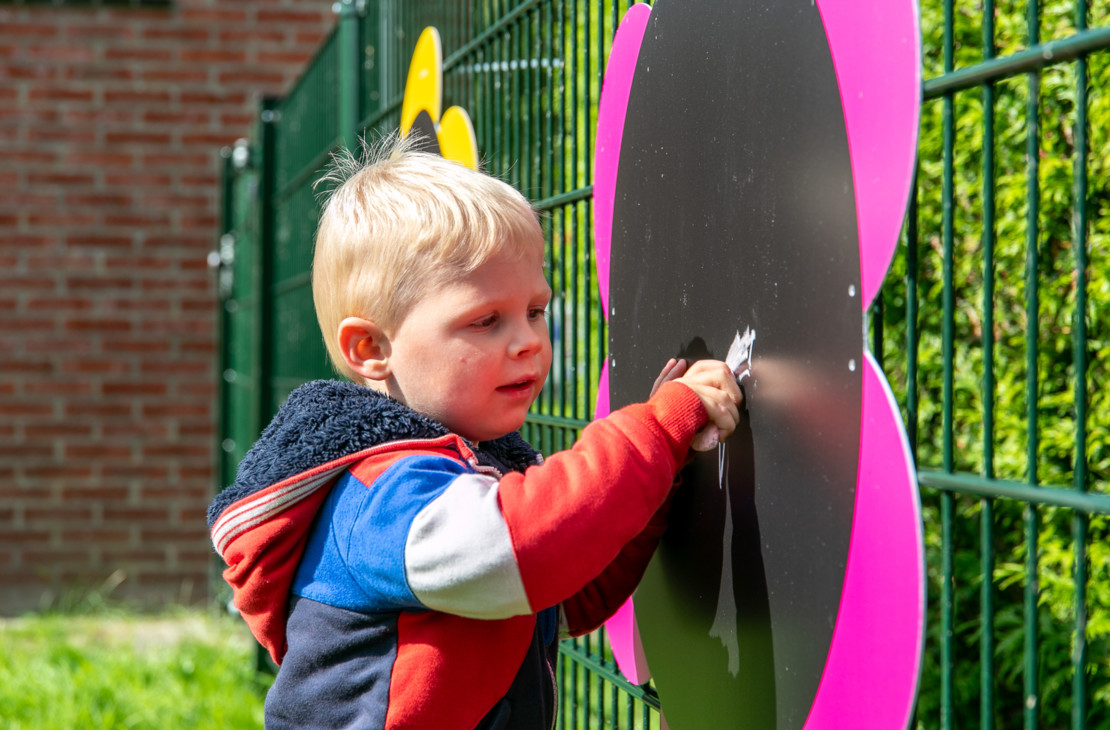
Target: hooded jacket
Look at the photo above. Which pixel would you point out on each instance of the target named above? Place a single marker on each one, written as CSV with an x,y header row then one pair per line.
x,y
405,578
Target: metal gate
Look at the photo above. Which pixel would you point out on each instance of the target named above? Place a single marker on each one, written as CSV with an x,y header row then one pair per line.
x,y
993,326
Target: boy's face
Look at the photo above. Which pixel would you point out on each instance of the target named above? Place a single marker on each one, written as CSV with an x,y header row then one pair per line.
x,y
474,354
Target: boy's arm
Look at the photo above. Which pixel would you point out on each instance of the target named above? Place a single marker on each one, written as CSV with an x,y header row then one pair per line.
x,y
432,534
570,519
600,598
429,533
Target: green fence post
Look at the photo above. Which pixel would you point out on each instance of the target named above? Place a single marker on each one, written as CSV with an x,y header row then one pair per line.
x,y
947,500
270,118
349,63
222,265
264,314
986,516
1032,334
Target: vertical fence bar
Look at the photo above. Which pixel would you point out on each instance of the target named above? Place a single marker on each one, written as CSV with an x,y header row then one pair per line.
x,y
1080,522
576,670
569,243
604,711
586,695
223,410
349,71
264,316
875,314
582,259
264,312
545,111
391,51
614,704
487,102
511,59
947,240
600,347
986,514
947,501
1032,317
1032,314
556,168
532,57
524,106
548,185
912,241
562,669
537,85
501,131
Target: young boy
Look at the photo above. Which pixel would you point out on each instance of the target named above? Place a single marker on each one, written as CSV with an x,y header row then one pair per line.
x,y
401,552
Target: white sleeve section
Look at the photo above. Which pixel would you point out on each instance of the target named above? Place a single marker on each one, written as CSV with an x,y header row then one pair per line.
x,y
459,556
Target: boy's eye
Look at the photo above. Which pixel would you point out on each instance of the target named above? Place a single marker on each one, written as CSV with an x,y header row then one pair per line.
x,y
537,313
485,322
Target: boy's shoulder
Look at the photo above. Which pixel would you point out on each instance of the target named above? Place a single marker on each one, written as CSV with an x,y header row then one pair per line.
x,y
321,422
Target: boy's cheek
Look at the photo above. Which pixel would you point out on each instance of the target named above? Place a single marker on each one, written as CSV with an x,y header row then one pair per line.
x,y
546,368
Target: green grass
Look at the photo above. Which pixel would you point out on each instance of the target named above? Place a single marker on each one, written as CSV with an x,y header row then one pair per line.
x,y
118,669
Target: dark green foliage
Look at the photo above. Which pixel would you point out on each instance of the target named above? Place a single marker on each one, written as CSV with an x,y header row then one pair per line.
x,y
1015,415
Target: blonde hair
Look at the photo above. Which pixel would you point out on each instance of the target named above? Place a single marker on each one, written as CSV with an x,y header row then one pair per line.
x,y
400,222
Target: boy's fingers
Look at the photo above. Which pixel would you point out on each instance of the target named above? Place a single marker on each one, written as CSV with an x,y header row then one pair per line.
x,y
673,370
722,413
720,394
715,371
706,439
725,417
728,383
716,374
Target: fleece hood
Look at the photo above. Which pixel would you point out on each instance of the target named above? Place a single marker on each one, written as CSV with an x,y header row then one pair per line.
x,y
327,420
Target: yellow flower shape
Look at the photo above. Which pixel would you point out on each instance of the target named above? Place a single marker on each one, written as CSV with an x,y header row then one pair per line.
x,y
450,134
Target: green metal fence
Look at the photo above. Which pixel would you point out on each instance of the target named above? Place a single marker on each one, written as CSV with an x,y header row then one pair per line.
x,y
993,326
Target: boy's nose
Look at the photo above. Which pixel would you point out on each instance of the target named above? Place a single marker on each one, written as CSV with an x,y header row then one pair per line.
x,y
526,340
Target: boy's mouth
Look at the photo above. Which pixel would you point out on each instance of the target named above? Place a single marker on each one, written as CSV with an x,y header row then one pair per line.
x,y
518,387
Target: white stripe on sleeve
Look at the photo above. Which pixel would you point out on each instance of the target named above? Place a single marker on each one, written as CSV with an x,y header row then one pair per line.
x,y
459,556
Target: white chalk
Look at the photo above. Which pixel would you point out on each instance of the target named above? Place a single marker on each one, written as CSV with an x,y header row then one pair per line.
x,y
739,358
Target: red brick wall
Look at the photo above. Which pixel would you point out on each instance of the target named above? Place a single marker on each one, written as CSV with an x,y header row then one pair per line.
x,y
110,126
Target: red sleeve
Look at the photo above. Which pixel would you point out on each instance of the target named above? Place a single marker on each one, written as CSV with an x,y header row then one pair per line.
x,y
570,518
601,597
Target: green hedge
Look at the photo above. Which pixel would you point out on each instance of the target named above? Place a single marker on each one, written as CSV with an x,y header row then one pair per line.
x,y
1004,453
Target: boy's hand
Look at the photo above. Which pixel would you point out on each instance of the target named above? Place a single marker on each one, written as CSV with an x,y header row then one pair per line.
x,y
673,370
716,386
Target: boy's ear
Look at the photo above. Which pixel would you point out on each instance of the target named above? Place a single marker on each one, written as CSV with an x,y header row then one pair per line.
x,y
365,348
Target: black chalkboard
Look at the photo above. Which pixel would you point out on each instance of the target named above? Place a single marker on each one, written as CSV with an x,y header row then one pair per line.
x,y
734,209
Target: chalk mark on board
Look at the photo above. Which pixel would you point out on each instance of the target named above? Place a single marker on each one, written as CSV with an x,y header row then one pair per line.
x,y
724,624
739,361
